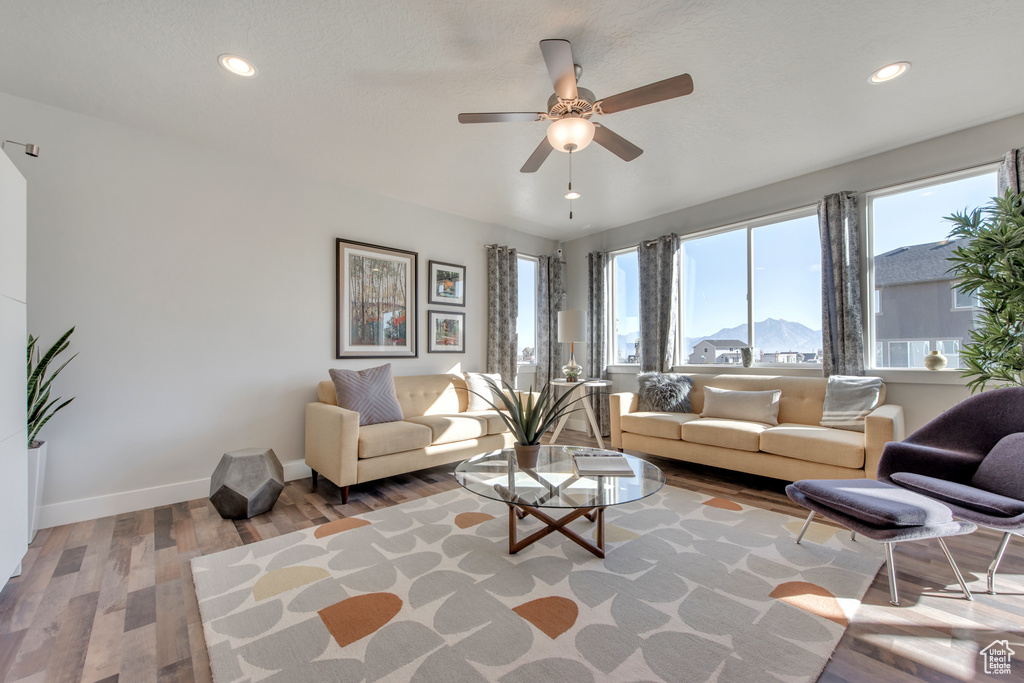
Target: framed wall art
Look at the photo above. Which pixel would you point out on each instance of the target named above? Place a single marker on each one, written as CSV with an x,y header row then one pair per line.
x,y
376,301
447,284
447,332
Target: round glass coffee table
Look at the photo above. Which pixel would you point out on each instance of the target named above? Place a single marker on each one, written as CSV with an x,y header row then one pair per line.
x,y
554,484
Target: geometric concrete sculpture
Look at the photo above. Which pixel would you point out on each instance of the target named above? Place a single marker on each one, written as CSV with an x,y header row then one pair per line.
x,y
246,483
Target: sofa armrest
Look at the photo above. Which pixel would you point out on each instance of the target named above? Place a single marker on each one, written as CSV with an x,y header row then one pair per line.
x,y
882,425
620,404
332,442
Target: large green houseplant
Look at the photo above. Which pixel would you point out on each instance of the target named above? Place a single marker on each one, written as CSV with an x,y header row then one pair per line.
x,y
989,262
527,418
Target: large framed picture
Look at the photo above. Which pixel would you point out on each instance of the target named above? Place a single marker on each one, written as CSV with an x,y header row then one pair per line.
x,y
447,330
447,284
376,301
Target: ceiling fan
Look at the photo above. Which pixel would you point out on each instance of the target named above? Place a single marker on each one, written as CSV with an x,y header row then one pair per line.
x,y
571,107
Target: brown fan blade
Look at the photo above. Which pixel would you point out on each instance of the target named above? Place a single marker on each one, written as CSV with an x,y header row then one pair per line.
x,y
558,57
538,157
648,94
501,117
616,144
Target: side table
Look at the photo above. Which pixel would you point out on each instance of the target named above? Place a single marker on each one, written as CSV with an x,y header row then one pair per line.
x,y
577,390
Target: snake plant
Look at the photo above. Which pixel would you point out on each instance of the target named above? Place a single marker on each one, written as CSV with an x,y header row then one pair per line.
x,y
528,419
40,407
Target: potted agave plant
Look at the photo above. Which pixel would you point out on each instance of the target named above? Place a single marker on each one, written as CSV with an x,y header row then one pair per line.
x,y
528,418
40,409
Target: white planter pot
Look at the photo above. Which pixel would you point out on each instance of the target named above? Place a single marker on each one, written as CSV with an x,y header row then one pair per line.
x,y
36,473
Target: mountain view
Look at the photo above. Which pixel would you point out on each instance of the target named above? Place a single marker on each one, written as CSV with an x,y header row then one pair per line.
x,y
770,334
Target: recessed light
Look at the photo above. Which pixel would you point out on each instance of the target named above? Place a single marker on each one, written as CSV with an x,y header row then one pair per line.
x,y
887,73
237,65
572,195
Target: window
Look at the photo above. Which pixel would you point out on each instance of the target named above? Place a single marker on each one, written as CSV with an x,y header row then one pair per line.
x,y
769,273
526,323
625,307
909,269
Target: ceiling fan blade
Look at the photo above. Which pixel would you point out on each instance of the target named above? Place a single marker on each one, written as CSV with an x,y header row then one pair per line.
x,y
616,144
558,57
501,117
538,157
648,94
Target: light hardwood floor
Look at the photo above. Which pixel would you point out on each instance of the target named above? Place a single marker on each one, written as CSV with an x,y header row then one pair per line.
x,y
112,599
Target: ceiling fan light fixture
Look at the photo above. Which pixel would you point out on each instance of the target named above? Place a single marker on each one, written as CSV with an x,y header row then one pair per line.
x,y
889,72
571,133
237,65
572,195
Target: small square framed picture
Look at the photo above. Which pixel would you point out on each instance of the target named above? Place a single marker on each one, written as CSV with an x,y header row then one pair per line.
x,y
446,284
446,332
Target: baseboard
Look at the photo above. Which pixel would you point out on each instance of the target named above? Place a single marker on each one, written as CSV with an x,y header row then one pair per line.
x,y
82,509
578,425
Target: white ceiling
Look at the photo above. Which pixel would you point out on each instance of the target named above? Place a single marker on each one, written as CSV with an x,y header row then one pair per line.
x,y
366,93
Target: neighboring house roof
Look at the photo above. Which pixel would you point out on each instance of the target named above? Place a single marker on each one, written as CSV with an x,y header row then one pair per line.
x,y
918,263
721,343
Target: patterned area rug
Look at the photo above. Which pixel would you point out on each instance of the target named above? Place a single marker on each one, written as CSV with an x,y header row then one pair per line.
x,y
692,589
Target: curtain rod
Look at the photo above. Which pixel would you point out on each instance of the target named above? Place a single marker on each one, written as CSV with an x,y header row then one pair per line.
x,y
521,253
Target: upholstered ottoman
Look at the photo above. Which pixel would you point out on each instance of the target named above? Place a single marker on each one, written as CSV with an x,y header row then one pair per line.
x,y
883,513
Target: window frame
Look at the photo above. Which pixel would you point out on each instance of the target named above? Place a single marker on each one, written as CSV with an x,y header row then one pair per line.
x,y
612,326
682,355
868,259
536,287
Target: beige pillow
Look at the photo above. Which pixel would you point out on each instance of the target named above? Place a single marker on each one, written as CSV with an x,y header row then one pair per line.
x,y
477,384
753,406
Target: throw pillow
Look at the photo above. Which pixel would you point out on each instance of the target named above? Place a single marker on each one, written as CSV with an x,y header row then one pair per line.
x,y
1002,470
848,400
477,382
752,406
370,392
664,393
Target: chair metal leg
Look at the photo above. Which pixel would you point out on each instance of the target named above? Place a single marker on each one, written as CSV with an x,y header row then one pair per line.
x,y
890,567
992,568
804,529
853,535
956,570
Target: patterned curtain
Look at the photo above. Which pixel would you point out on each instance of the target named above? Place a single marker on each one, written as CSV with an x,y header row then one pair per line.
x,y
659,302
597,335
842,328
1011,171
550,290
502,308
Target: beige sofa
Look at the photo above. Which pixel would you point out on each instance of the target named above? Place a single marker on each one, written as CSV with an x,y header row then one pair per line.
x,y
798,448
436,430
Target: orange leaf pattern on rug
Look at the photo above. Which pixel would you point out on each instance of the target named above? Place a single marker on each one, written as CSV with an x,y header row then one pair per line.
x,y
464,520
358,617
554,616
811,598
339,525
281,580
723,504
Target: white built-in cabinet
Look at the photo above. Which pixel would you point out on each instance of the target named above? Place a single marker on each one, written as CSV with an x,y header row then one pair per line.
x,y
13,447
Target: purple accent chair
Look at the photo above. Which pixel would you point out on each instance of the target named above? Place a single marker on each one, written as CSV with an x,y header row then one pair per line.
x,y
971,458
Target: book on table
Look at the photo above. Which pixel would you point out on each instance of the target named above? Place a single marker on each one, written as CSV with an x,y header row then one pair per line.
x,y
601,464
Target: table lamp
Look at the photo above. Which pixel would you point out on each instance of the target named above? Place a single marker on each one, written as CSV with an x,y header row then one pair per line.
x,y
572,328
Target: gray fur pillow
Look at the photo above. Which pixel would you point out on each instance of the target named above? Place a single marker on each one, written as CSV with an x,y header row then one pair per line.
x,y
664,393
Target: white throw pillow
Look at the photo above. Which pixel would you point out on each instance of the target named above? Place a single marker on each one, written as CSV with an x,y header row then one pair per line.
x,y
752,406
476,382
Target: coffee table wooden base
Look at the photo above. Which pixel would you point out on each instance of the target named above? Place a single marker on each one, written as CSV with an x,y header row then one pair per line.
x,y
517,512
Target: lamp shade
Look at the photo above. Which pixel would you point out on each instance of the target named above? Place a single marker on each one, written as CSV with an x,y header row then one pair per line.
x,y
572,326
572,130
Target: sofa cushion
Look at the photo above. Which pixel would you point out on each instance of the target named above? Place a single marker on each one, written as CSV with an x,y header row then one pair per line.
x,y
478,387
495,425
662,425
960,494
753,406
452,428
848,400
736,434
369,392
1002,470
815,444
392,437
875,502
664,393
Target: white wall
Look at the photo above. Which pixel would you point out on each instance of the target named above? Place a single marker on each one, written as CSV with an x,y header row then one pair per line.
x,y
922,394
202,288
